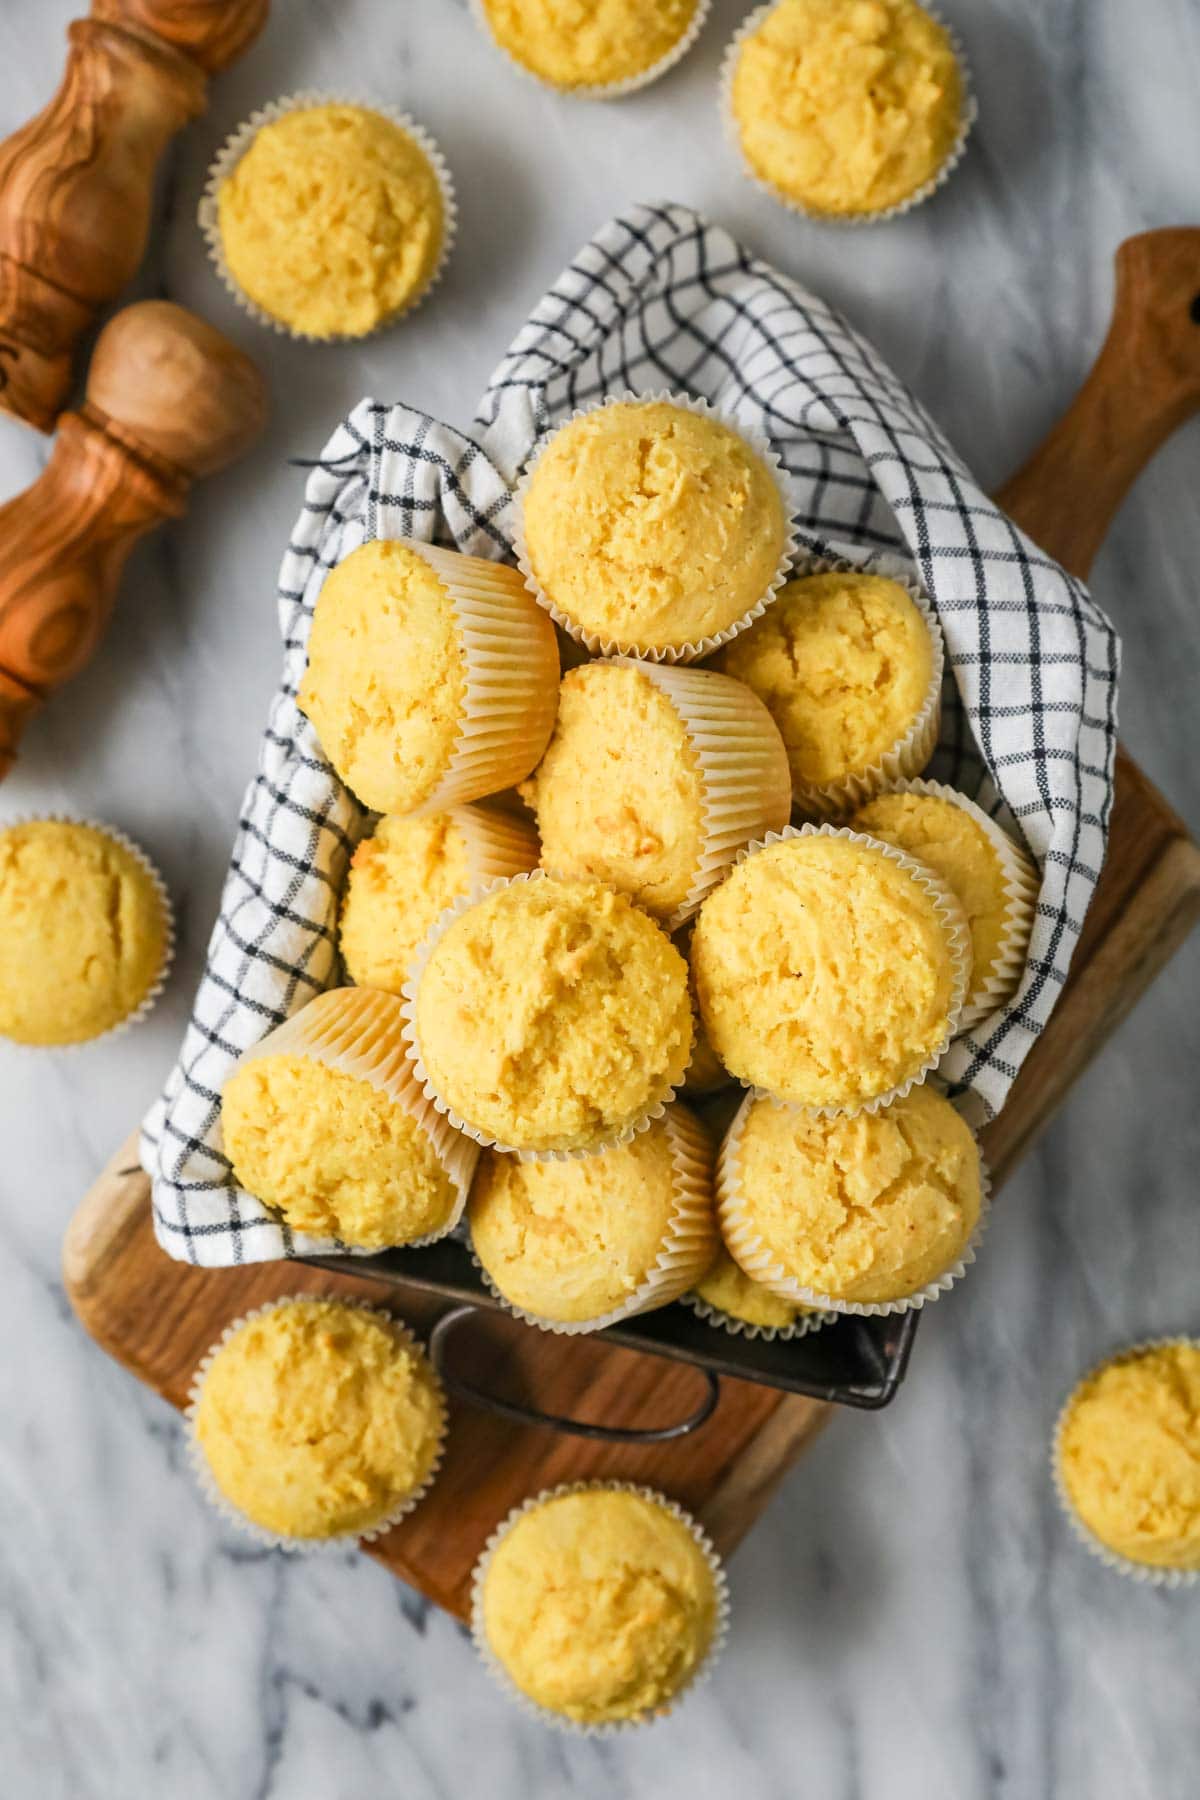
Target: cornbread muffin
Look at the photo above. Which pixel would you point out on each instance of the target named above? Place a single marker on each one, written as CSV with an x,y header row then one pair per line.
x,y
386,676
319,1420
944,836
333,1153
650,528
866,1209
588,43
332,221
599,1606
1128,1454
844,664
847,107
84,932
408,871
553,1015
706,1073
618,794
730,1290
825,972
577,1240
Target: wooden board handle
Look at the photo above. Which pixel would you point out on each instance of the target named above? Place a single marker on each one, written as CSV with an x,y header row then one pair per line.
x,y
1143,385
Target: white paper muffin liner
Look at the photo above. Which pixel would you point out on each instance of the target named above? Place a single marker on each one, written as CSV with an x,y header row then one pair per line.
x,y
559,1721
804,1326
236,146
148,1001
483,1138
360,1031
607,90
908,756
729,124
304,1546
498,845
1149,1574
511,690
695,649
1021,886
687,1248
752,1254
958,938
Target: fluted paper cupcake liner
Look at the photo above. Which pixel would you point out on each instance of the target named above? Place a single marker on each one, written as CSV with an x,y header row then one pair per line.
x,y
804,1326
306,1546
1149,1574
941,175
912,750
1020,891
511,693
606,90
695,649
745,782
498,846
754,1257
559,1721
360,1031
687,1247
958,939
482,1138
150,998
236,146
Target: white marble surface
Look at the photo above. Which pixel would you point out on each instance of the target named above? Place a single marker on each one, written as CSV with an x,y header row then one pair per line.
x,y
912,1618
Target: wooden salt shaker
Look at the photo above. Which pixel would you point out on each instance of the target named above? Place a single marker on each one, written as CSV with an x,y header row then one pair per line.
x,y
76,181
168,399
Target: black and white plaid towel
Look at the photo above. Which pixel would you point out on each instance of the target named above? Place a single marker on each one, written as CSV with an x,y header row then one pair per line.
x,y
658,299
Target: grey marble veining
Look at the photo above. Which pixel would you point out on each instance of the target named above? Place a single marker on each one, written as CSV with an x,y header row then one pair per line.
x,y
912,1618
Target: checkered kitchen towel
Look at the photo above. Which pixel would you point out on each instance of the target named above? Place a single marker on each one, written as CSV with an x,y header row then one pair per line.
x,y
659,299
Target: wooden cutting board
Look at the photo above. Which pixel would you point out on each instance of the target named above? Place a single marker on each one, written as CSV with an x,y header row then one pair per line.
x,y
157,1317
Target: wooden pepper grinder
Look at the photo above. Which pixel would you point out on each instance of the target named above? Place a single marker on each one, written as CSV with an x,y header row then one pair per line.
x,y
168,399
76,182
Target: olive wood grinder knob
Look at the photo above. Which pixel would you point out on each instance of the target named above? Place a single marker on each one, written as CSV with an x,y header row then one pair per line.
x,y
168,399
76,181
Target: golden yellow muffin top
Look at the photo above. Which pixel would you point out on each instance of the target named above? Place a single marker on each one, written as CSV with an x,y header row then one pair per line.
x,y
955,846
651,526
843,663
333,1153
1129,1454
824,972
863,1209
847,106
618,794
574,1240
588,43
317,1419
332,221
83,932
599,1605
732,1291
553,1015
401,879
386,679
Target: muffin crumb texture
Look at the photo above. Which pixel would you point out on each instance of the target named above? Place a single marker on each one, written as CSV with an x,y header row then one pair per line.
x,y
588,43
1129,1454
600,1606
824,972
402,878
83,932
732,1291
618,794
333,1153
317,1420
843,663
868,1209
554,1015
386,677
847,106
332,221
652,527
